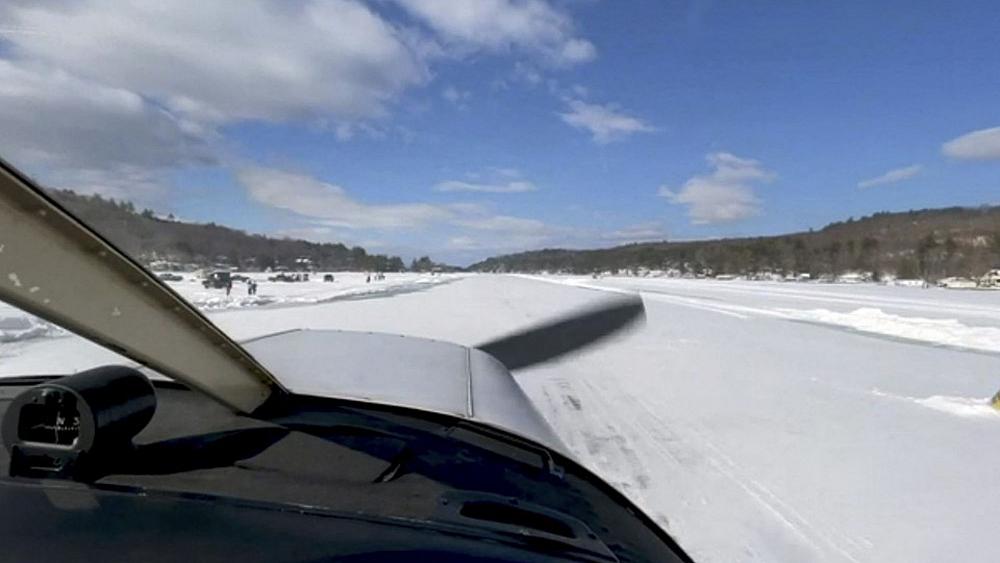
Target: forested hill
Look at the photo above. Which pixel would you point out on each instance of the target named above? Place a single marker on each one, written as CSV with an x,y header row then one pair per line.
x,y
149,238
930,243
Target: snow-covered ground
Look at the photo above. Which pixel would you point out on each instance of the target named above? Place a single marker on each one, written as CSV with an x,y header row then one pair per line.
x,y
16,326
964,319
345,285
754,421
53,350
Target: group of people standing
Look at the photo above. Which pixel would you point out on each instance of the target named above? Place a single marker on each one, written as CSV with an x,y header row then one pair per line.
x,y
251,287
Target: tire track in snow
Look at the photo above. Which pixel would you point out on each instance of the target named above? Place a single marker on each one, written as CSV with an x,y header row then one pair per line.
x,y
595,436
609,441
772,503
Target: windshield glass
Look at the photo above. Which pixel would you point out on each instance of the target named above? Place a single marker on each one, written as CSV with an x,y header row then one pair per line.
x,y
804,196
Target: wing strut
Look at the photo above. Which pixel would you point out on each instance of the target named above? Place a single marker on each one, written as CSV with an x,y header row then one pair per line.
x,y
55,267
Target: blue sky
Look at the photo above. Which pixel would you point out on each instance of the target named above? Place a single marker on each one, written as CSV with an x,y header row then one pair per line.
x,y
463,130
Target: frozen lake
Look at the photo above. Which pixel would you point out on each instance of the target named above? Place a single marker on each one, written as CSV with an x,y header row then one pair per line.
x,y
754,421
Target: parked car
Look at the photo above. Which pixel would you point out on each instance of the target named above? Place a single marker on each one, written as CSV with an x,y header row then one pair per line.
x,y
957,283
217,280
328,277
287,277
990,279
171,277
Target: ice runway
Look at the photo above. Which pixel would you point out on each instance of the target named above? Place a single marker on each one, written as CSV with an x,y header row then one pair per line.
x,y
755,421
757,431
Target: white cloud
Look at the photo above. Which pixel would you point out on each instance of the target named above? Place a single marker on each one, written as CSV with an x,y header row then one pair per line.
x,y
505,223
327,234
507,172
463,243
349,130
305,232
499,180
109,96
637,233
468,225
454,95
526,73
577,51
892,176
53,117
141,186
529,26
313,198
605,123
502,234
491,234
133,88
229,60
724,195
469,209
466,230
74,133
983,144
510,187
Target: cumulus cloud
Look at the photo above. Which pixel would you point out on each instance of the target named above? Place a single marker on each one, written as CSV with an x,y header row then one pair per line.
x,y
490,234
892,176
499,181
322,233
637,233
530,26
470,230
134,89
504,223
228,60
75,133
110,97
54,117
983,144
724,195
606,123
332,204
463,243
456,96
526,74
327,205
510,187
142,186
506,172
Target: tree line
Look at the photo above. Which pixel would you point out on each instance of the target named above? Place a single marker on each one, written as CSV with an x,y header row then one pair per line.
x,y
928,244
149,238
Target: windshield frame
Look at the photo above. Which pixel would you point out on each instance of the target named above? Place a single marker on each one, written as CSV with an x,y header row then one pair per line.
x,y
48,255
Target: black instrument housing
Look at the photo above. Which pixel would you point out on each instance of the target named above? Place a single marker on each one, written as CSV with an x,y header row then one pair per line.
x,y
75,426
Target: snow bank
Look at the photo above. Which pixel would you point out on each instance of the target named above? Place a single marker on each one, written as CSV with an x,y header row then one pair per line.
x,y
961,406
347,285
16,325
16,328
947,332
968,407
